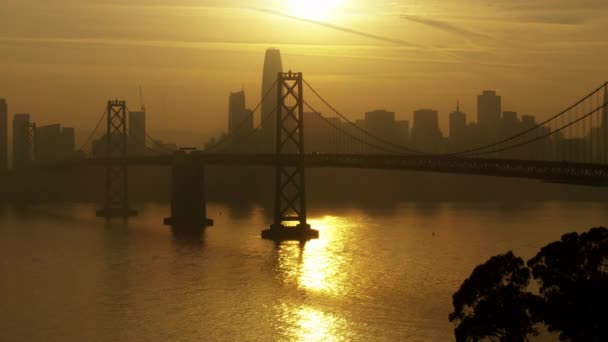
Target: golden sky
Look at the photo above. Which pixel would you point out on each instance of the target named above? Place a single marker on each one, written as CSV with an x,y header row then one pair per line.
x,y
61,60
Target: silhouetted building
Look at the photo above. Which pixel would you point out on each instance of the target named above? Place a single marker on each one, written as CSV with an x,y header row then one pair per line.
x,y
240,120
489,108
316,134
21,140
474,137
403,132
510,124
537,150
68,142
381,123
137,133
510,118
3,135
426,135
528,121
54,143
272,67
458,129
48,143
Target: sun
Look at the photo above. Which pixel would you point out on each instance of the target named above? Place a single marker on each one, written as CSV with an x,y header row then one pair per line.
x,y
314,9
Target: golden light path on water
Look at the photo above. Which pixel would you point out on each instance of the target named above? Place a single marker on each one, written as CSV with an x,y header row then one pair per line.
x,y
315,269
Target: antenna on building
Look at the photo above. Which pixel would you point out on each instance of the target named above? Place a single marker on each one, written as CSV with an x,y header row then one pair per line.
x,y
141,100
458,105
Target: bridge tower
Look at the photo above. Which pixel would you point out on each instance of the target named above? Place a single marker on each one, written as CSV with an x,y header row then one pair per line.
x,y
116,202
188,204
290,187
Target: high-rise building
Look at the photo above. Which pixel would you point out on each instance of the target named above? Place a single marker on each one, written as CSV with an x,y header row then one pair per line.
x,y
316,134
21,140
528,121
458,128
426,135
240,120
137,133
382,124
272,67
68,142
510,124
3,135
509,118
48,143
403,132
489,108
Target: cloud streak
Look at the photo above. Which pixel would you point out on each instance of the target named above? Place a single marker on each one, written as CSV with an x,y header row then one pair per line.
x,y
338,28
443,25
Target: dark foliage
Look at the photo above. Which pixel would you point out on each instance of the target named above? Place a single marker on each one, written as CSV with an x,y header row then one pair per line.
x,y
573,274
493,302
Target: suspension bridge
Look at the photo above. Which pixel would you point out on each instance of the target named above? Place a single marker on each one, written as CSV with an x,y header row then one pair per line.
x,y
568,147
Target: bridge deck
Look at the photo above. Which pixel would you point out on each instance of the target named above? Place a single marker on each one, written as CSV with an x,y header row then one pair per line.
x,y
552,171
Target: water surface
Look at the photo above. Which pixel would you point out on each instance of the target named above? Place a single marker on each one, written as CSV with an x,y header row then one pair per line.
x,y
373,274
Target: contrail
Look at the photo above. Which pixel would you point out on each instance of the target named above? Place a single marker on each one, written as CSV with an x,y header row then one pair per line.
x,y
442,25
339,28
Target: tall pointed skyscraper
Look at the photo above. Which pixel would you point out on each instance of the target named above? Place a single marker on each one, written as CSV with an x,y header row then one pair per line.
x,y
272,66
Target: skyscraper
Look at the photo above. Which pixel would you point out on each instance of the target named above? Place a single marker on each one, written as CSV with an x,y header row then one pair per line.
x,y
510,124
54,142
528,121
426,135
137,133
48,143
68,142
21,140
240,120
381,123
3,135
403,132
272,67
458,129
488,113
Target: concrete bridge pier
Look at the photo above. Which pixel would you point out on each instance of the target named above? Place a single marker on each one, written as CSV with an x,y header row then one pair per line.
x,y
188,204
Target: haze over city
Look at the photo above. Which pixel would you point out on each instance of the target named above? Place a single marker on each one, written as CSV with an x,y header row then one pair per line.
x,y
303,170
62,60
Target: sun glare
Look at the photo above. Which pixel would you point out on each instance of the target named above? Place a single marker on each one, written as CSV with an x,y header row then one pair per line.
x,y
314,9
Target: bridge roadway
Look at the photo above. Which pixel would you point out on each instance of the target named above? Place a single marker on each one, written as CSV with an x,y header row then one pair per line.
x,y
550,171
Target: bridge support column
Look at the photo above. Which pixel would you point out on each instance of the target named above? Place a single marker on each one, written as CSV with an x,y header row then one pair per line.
x,y
188,203
290,186
116,203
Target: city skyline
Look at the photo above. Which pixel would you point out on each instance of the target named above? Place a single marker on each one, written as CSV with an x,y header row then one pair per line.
x,y
443,118
409,78
496,123
303,170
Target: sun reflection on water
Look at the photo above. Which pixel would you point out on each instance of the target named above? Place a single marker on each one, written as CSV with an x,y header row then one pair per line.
x,y
315,268
305,323
321,267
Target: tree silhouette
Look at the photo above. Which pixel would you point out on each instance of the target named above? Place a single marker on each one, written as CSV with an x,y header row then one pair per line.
x,y
573,274
493,303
